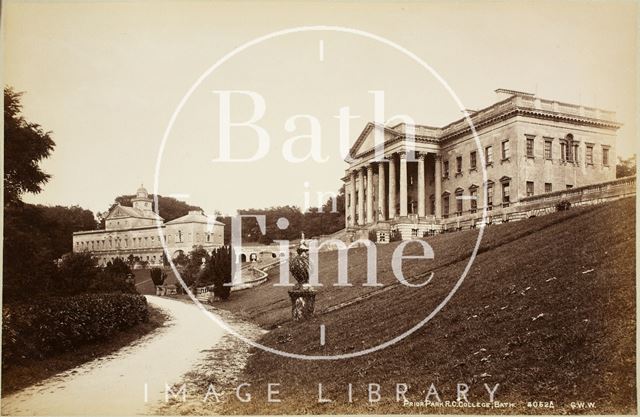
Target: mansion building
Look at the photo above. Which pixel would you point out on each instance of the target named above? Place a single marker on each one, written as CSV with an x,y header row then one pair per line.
x,y
133,231
528,145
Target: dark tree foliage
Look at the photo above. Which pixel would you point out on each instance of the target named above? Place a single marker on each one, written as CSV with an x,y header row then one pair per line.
x,y
60,222
77,272
28,256
193,269
25,146
27,253
314,222
158,276
626,167
218,271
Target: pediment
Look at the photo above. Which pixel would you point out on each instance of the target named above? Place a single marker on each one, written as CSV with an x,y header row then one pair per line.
x,y
367,139
120,212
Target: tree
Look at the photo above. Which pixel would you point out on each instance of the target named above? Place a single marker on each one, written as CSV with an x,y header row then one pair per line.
x,y
77,272
219,271
191,273
28,266
25,146
59,223
114,277
626,167
27,254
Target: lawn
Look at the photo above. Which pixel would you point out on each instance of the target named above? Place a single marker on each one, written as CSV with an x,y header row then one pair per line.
x,y
547,311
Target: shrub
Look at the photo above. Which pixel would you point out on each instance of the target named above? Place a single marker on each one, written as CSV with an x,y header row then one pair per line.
x,y
563,205
193,269
46,326
394,235
373,236
76,273
107,282
118,267
158,276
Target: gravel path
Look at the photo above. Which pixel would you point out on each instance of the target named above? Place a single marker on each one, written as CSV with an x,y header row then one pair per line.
x,y
115,384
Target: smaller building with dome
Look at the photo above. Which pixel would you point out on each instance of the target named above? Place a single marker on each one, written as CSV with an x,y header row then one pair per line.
x,y
132,233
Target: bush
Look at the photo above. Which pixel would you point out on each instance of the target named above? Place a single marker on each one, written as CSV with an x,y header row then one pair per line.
x,y
373,236
394,235
563,205
158,276
76,273
47,326
194,269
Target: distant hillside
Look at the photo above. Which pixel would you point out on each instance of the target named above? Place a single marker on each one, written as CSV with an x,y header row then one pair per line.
x,y
547,311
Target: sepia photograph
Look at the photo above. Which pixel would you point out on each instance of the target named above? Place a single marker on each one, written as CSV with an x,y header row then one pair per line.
x,y
319,207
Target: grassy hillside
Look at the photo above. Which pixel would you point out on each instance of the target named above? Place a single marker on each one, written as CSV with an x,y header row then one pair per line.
x,y
547,311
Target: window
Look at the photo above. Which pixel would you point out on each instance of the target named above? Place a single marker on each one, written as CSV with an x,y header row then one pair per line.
x,y
445,202
563,151
529,188
605,156
571,149
548,187
459,164
589,155
548,153
506,152
458,203
529,147
489,196
472,160
505,194
569,186
473,193
488,155
445,173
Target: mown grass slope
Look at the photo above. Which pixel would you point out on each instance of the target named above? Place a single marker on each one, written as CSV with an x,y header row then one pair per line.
x,y
547,311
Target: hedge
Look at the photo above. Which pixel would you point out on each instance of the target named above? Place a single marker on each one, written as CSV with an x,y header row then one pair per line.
x,y
46,326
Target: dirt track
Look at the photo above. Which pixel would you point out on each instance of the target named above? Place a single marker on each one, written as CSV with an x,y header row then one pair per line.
x,y
115,384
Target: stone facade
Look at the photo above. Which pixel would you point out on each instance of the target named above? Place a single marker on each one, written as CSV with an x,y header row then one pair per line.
x,y
528,145
134,231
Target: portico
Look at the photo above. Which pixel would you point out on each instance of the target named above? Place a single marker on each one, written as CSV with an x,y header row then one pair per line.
x,y
394,188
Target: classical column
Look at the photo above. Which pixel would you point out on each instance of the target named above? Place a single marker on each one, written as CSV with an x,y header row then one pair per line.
x,y
421,188
369,193
360,197
381,191
392,187
403,184
438,192
352,207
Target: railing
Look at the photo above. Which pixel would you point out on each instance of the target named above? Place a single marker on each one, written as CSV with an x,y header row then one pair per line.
x,y
572,193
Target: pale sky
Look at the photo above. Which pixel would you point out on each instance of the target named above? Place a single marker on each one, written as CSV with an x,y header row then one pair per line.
x,y
105,78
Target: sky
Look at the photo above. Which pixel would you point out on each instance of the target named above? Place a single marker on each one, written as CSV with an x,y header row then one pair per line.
x,y
107,77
